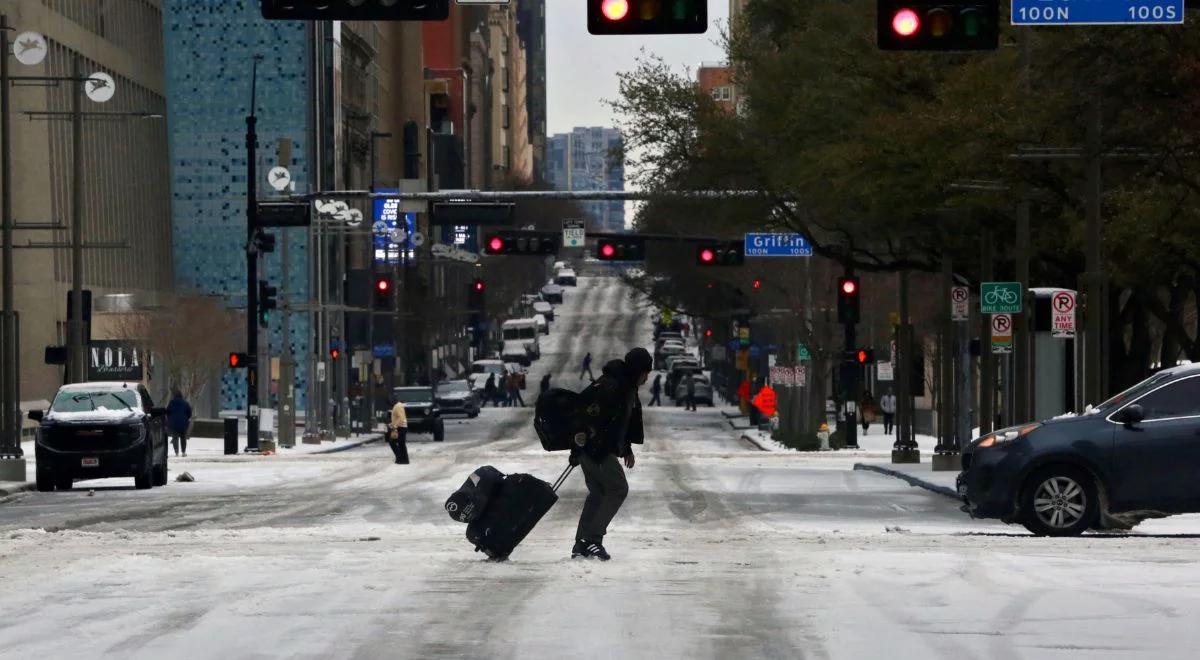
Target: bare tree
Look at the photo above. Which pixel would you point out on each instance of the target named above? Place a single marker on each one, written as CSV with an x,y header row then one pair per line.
x,y
191,337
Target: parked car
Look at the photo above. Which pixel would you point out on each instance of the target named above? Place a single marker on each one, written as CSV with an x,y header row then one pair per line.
x,y
665,336
678,371
544,308
481,369
559,265
552,293
565,277
531,298
421,408
667,350
1136,452
702,388
543,326
100,430
456,397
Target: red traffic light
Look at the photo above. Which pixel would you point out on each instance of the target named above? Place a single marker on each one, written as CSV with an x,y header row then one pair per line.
x,y
607,250
905,22
757,284
707,255
382,285
615,10
861,356
708,332
478,286
496,245
849,286
334,353
237,360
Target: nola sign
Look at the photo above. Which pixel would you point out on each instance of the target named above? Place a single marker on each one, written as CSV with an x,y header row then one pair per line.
x,y
116,360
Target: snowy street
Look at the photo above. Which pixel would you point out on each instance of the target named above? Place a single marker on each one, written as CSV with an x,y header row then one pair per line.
x,y
721,551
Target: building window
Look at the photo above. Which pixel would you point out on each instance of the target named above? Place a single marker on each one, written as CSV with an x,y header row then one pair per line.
x,y
722,93
506,113
507,164
504,74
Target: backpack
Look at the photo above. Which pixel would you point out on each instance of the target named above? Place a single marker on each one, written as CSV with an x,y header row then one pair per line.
x,y
565,420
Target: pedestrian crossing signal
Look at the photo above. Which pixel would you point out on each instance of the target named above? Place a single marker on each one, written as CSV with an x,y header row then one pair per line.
x,y
239,361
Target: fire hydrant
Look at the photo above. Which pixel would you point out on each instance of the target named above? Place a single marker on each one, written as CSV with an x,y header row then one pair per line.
x,y
823,435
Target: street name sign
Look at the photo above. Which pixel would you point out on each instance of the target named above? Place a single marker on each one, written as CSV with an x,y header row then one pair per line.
x,y
574,233
960,298
777,245
1062,314
1097,12
1000,297
1002,333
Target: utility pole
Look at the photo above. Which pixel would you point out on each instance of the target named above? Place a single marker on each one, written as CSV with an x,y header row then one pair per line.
x,y
12,465
78,345
945,364
1096,371
1021,410
987,372
850,373
904,449
251,264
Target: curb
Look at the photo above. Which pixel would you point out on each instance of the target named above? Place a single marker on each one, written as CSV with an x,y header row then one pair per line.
x,y
353,444
9,491
912,481
754,442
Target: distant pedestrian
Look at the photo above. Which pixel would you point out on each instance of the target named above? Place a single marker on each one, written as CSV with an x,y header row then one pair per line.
x,y
656,391
514,391
689,384
179,418
866,410
887,403
489,392
397,436
587,368
545,386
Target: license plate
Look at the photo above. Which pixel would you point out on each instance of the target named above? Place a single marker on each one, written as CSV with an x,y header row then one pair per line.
x,y
91,462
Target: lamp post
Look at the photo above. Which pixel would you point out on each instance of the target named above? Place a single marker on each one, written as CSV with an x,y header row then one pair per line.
x,y
375,135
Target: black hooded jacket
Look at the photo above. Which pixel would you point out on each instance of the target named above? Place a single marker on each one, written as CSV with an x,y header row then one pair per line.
x,y
613,411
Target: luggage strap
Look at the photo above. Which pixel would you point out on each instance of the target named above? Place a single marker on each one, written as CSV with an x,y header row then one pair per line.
x,y
563,477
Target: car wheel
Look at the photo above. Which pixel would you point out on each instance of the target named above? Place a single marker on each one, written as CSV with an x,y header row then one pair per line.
x,y
160,473
145,477
45,481
473,415
64,483
1059,501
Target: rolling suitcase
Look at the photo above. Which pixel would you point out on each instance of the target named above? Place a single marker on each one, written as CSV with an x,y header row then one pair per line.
x,y
512,513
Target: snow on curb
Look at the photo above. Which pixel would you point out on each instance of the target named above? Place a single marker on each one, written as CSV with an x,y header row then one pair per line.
x,y
913,481
350,445
754,442
10,488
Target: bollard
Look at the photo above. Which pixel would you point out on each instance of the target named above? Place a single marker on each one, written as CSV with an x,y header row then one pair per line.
x,y
231,435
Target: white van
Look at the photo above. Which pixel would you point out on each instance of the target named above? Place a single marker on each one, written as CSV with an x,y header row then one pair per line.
x,y
524,331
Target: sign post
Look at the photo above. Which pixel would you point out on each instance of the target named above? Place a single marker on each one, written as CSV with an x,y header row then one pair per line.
x,y
574,233
1002,334
1062,310
960,298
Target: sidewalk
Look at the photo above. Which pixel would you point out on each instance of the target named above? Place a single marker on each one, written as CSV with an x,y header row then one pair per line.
x,y
208,450
920,475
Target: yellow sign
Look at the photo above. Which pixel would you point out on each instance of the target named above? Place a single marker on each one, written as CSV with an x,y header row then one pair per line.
x,y
742,362
667,316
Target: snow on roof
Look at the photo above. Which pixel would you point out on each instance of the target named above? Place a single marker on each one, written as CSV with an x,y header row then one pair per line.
x,y
99,386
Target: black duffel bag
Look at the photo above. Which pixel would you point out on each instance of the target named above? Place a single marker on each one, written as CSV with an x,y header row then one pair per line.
x,y
471,499
556,418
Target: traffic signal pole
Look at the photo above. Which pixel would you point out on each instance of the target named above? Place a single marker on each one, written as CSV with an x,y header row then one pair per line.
x,y
252,266
850,375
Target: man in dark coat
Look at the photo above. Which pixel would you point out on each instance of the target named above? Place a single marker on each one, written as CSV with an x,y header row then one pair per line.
x,y
179,418
613,424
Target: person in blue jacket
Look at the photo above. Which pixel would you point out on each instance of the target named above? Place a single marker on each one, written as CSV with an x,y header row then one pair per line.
x,y
179,418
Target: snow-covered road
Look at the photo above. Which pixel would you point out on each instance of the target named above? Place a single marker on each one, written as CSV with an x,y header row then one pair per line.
x,y
720,552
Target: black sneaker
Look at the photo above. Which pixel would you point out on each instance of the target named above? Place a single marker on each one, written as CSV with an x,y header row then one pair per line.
x,y
589,550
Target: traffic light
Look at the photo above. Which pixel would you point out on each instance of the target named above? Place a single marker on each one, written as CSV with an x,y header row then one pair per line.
x,y
475,295
382,290
757,284
948,25
264,242
647,16
239,361
335,353
847,292
521,243
708,333
356,10
621,249
720,253
266,301
864,356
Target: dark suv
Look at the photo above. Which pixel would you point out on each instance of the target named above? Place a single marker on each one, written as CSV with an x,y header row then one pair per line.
x,y
423,413
1132,457
100,430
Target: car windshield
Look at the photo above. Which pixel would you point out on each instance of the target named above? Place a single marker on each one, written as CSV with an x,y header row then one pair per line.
x,y
100,401
487,368
1133,392
414,395
454,386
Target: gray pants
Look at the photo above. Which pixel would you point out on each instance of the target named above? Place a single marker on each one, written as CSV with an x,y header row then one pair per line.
x,y
607,489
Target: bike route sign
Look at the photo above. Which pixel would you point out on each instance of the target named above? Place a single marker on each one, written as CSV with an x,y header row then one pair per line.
x,y
1000,297
1097,12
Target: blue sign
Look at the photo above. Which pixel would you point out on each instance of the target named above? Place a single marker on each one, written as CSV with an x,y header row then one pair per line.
x,y
1096,12
777,245
384,220
384,350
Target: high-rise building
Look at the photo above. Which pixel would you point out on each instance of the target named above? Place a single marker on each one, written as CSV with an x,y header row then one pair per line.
x,y
125,215
590,158
531,26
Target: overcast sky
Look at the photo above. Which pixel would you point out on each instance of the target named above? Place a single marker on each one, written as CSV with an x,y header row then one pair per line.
x,y
582,68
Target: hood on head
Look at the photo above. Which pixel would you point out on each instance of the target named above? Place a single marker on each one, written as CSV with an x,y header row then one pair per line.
x,y
619,370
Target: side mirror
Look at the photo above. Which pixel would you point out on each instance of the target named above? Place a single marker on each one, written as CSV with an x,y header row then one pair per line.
x,y
158,412
36,415
1131,415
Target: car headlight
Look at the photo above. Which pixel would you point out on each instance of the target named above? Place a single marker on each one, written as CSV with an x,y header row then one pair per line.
x,y
1006,435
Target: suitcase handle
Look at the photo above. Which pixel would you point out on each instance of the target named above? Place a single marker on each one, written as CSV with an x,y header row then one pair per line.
x,y
563,477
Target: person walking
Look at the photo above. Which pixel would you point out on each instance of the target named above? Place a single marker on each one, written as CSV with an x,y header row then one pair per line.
x,y
613,429
887,404
656,391
545,386
489,392
689,383
397,436
587,368
514,391
866,410
179,419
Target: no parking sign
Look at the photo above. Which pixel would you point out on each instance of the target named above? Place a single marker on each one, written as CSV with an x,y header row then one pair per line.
x,y
1062,314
